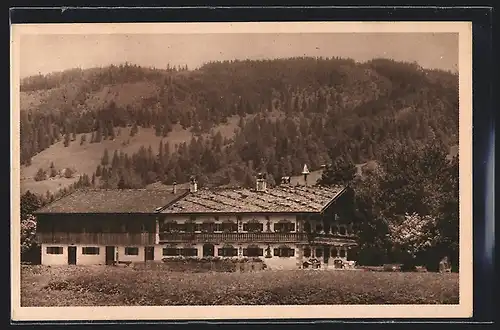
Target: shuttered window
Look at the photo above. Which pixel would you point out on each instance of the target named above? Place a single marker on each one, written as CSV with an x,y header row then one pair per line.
x,y
131,251
284,227
253,227
284,252
54,250
189,252
90,250
170,252
228,252
253,252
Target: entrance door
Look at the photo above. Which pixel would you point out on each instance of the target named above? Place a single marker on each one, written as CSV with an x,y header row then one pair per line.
x,y
208,250
71,255
326,254
149,253
110,255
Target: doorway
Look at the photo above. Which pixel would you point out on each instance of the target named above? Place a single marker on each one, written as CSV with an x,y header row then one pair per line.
x,y
326,254
71,255
149,253
110,255
208,250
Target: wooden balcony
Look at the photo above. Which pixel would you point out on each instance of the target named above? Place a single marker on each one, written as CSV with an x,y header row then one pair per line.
x,y
97,238
233,237
319,239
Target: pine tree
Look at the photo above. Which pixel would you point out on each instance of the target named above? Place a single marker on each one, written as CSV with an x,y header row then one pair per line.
x,y
83,139
53,171
40,175
98,171
134,130
66,139
105,158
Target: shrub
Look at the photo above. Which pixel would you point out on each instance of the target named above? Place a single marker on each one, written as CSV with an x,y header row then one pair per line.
x,y
40,175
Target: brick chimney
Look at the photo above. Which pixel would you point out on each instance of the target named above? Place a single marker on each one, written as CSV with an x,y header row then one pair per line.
x,y
193,185
305,173
261,183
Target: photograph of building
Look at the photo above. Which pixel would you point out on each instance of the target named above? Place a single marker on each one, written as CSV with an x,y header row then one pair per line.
x,y
289,227
256,164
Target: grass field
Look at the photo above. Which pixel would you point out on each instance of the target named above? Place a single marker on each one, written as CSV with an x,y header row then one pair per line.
x,y
112,286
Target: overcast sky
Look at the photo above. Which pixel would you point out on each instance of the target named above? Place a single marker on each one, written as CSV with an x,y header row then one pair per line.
x,y
48,53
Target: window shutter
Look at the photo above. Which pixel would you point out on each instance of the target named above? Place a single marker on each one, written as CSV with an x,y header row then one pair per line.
x,y
245,252
261,226
261,252
277,252
276,226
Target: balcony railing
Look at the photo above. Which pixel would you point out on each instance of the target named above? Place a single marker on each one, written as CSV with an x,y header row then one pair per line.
x,y
97,238
233,237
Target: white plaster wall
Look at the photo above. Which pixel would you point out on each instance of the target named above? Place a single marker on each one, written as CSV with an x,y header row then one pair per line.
x,y
54,259
123,257
81,259
282,262
91,259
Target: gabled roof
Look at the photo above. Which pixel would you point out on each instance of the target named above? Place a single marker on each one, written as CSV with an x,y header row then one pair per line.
x,y
281,199
112,201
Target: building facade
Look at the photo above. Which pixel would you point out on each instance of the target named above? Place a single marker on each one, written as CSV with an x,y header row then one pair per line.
x,y
288,227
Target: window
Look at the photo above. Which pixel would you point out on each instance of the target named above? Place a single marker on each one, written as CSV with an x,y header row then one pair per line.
x,y
170,226
319,227
91,250
253,251
342,253
284,252
131,251
334,253
189,252
253,226
229,227
207,227
307,252
170,252
189,227
228,251
284,227
319,252
342,230
54,250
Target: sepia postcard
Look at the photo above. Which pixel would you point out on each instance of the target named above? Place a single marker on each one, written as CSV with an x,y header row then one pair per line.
x,y
218,171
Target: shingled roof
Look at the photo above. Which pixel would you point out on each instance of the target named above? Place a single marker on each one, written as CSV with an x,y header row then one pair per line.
x,y
282,199
112,201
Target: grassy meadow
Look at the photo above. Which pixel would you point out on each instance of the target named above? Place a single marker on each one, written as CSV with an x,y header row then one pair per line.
x,y
116,286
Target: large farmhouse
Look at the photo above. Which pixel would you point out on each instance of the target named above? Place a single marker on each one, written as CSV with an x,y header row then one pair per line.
x,y
286,226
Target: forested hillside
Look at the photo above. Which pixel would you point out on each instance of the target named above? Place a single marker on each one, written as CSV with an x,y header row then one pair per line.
x,y
291,112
